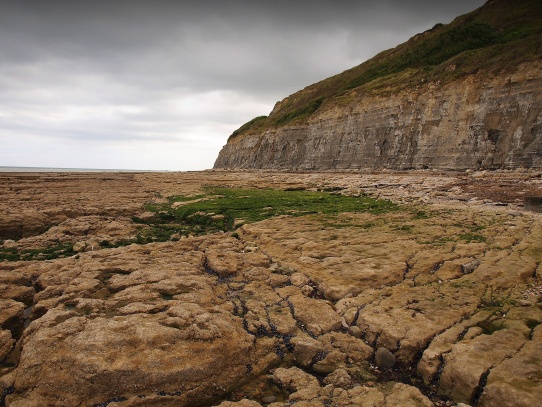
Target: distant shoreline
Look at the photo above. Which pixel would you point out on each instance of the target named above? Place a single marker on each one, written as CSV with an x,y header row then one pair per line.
x,y
51,169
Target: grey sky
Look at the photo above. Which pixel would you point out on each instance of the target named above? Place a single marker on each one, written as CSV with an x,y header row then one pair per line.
x,y
161,84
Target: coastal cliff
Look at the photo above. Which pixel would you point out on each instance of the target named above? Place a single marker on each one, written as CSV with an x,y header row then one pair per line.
x,y
470,97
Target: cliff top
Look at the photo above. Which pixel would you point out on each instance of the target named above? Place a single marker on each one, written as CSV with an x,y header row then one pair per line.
x,y
494,39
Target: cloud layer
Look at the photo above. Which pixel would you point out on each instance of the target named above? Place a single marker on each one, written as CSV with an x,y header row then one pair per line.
x,y
159,84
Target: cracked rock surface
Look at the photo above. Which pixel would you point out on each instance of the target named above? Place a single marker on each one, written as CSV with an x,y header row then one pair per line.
x,y
285,311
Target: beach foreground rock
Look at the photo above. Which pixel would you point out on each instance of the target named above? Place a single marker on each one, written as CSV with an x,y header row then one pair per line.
x,y
432,304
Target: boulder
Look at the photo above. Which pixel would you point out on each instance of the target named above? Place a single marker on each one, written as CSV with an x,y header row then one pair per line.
x,y
470,361
384,359
516,381
325,320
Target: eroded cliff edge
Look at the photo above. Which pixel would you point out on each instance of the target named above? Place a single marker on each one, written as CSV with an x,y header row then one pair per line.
x,y
467,95
477,122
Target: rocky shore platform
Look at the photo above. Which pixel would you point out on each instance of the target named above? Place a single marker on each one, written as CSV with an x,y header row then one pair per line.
x,y
225,288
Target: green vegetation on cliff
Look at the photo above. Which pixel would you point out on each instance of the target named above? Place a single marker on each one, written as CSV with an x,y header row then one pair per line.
x,y
494,39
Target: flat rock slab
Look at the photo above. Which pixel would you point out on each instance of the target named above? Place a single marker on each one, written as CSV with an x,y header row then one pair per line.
x,y
517,381
131,324
316,316
126,357
470,360
206,319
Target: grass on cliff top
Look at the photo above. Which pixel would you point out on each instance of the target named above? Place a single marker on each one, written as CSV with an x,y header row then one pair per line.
x,y
495,39
219,208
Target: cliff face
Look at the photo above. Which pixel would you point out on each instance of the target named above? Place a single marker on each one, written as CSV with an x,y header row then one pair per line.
x,y
474,122
463,95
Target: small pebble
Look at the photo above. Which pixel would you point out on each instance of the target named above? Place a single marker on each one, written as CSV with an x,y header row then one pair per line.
x,y
268,399
384,358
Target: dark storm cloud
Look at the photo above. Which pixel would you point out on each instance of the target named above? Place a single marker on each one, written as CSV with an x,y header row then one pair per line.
x,y
163,69
207,43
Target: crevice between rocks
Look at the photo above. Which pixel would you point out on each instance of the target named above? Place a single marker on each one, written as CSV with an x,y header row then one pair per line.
x,y
6,392
480,388
299,323
408,267
112,400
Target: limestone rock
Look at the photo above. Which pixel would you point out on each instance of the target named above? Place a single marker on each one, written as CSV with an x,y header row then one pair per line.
x,y
516,381
84,233
22,222
407,396
307,390
384,358
134,351
156,330
79,247
469,267
223,263
9,244
380,131
11,313
242,403
339,378
469,360
431,361
167,329
299,279
294,378
304,386
6,343
326,320
405,318
366,397
307,349
19,293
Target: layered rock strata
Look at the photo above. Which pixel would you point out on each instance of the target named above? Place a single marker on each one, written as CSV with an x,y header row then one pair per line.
x,y
476,122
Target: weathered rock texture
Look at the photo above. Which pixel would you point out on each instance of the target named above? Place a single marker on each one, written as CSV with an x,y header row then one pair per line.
x,y
477,122
286,311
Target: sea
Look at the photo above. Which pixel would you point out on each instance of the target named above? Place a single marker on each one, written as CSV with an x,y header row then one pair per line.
x,y
48,169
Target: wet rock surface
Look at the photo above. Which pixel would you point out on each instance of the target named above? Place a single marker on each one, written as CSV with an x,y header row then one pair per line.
x,y
305,311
